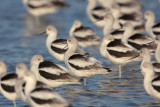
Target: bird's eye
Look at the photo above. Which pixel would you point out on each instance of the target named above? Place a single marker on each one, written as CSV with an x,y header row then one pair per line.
x,y
69,40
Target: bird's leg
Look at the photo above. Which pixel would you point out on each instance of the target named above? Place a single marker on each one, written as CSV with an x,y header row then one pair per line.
x,y
14,102
119,68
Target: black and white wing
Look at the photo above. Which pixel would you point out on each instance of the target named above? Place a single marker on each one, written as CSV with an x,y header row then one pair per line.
x,y
83,32
118,49
47,96
58,46
139,41
53,71
85,62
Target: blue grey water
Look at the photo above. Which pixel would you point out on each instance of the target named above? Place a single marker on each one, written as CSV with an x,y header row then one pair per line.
x,y
18,45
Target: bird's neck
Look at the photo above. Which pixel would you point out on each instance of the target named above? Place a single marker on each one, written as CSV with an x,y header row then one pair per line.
x,y
71,50
148,77
3,71
149,23
91,5
146,58
128,32
103,48
147,82
51,37
108,28
72,30
148,26
20,73
25,1
116,24
116,14
30,85
157,53
34,69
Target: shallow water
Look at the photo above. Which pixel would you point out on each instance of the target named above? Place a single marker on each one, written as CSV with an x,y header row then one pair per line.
x,y
17,44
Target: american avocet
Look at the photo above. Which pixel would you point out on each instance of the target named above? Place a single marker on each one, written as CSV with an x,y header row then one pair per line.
x,y
50,73
7,83
82,65
126,6
56,46
109,29
42,7
134,18
137,40
151,83
118,52
40,96
21,69
84,35
147,58
129,6
151,28
116,14
128,18
96,14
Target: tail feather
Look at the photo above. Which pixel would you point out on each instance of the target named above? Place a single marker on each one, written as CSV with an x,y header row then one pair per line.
x,y
108,69
61,4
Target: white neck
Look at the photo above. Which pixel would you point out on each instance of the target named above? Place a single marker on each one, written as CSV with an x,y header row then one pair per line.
x,y
91,5
20,73
146,58
108,28
71,30
51,37
149,22
157,53
30,85
148,77
103,48
34,69
128,32
71,50
116,25
148,26
25,1
116,14
3,71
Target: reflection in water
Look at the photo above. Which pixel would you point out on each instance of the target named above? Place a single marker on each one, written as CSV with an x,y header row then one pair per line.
x,y
34,25
153,104
110,90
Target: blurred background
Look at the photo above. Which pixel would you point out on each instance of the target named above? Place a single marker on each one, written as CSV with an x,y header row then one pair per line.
x,y
18,44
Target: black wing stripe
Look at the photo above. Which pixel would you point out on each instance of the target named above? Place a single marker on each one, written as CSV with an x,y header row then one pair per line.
x,y
50,76
8,88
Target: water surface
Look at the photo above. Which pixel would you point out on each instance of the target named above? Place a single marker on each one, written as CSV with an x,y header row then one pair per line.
x,y
18,45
